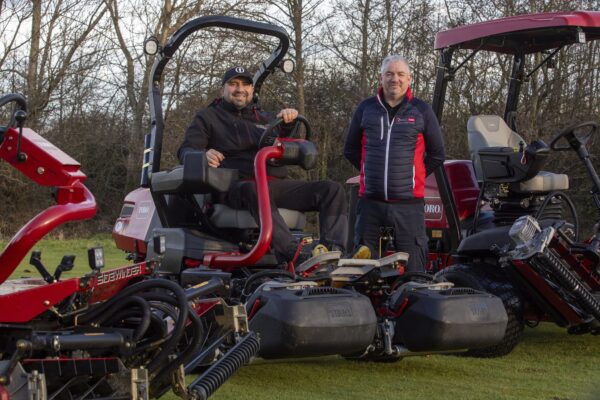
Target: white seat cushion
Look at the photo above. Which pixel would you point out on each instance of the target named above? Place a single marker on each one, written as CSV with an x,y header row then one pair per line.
x,y
543,182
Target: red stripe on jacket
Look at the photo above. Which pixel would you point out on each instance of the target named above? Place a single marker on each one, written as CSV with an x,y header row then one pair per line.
x,y
363,153
419,165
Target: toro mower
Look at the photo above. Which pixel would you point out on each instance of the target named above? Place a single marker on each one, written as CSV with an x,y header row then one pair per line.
x,y
365,309
499,222
119,333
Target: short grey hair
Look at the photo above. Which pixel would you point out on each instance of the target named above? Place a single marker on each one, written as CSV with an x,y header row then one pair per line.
x,y
394,58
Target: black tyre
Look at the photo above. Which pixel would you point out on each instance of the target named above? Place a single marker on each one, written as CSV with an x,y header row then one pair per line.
x,y
488,278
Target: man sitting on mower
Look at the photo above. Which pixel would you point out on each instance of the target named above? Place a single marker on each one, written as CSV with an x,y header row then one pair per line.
x,y
228,130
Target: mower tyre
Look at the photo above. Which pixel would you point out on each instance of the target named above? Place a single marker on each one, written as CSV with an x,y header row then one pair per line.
x,y
487,278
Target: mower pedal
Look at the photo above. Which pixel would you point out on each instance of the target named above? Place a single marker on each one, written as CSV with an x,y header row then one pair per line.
x,y
349,273
393,259
399,257
324,258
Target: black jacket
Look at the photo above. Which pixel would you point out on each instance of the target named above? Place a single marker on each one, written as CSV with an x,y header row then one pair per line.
x,y
233,132
395,153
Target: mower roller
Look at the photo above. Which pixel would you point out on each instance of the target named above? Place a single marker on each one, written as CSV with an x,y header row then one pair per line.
x,y
328,305
118,333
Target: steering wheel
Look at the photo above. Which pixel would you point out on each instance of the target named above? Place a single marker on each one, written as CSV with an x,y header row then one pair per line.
x,y
576,135
270,135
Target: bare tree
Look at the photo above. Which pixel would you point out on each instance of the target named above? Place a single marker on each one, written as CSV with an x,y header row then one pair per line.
x,y
58,34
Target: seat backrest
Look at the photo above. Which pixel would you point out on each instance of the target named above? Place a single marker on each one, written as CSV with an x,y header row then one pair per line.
x,y
489,131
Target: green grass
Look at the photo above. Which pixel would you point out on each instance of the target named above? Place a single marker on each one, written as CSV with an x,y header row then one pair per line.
x,y
548,365
53,250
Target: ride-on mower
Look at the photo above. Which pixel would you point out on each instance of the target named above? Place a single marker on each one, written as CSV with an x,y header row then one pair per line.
x,y
498,222
363,309
111,334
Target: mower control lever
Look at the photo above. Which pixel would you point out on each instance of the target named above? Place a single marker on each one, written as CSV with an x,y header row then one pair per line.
x,y
36,261
66,264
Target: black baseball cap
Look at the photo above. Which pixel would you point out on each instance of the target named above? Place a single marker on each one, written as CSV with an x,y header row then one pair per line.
x,y
236,72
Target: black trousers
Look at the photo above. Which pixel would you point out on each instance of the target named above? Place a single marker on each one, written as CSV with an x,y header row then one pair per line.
x,y
326,197
407,221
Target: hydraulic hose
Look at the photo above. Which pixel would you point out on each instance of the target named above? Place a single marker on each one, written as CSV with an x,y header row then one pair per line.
x,y
561,196
144,313
138,287
240,354
157,324
178,331
179,300
264,274
195,342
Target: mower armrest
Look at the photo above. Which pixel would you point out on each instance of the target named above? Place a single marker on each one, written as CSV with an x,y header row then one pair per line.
x,y
298,152
194,176
508,165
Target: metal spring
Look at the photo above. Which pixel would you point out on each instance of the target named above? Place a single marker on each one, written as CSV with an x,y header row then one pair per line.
x,y
218,373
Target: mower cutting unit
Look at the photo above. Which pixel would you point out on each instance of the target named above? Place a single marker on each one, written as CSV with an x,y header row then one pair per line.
x,y
499,218
117,334
324,306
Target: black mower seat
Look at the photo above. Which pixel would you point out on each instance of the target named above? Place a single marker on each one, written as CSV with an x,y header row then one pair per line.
x,y
226,217
496,152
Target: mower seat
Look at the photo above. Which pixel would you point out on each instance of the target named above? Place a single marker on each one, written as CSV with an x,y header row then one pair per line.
x,y
497,155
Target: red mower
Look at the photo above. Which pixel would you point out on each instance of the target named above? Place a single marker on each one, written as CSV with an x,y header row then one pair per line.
x,y
498,222
362,309
110,334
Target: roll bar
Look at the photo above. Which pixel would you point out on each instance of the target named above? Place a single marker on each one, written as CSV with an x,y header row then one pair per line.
x,y
153,140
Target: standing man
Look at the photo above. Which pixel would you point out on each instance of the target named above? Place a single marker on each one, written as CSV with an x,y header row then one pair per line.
x,y
228,130
395,141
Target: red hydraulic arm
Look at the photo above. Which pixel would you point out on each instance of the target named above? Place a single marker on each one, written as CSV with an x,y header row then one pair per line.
x,y
47,165
264,211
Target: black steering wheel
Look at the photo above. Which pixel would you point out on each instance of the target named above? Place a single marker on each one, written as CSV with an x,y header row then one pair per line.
x,y
270,135
576,135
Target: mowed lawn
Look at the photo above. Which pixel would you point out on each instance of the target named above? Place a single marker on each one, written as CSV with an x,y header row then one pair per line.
x,y
549,364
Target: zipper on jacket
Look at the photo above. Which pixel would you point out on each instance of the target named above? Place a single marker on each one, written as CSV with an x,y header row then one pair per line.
x,y
387,150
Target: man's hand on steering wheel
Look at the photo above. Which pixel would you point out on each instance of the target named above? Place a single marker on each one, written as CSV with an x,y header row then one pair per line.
x,y
270,134
288,115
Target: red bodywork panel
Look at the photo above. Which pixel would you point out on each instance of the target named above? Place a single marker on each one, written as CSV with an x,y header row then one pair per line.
x,y
108,283
46,165
132,226
21,300
465,190
533,32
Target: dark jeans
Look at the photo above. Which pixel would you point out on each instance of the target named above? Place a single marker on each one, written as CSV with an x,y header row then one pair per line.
x,y
406,219
326,197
